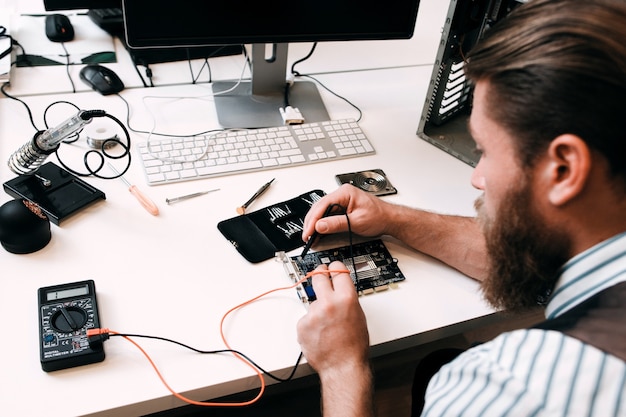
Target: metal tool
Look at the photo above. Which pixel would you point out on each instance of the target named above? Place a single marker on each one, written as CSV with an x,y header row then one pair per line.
x,y
188,196
143,199
242,209
315,234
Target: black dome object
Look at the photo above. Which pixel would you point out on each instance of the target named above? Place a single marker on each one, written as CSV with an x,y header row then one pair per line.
x,y
24,227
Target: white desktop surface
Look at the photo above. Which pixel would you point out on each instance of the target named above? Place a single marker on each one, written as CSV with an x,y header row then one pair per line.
x,y
175,275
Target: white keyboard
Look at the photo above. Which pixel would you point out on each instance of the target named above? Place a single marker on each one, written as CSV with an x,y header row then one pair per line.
x,y
234,151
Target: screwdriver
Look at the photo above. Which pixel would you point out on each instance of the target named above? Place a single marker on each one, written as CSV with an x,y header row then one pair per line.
x,y
141,197
264,187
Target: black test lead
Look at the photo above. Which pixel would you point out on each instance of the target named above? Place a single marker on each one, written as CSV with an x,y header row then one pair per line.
x,y
313,237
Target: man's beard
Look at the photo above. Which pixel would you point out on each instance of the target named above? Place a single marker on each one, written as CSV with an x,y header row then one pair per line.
x,y
525,252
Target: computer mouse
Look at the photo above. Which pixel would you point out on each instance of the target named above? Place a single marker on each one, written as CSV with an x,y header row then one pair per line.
x,y
101,79
59,28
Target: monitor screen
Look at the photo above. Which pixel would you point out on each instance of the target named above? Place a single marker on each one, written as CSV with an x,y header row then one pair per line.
x,y
182,23
192,22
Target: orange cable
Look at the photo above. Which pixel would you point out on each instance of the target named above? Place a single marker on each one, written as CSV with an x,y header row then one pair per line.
x,y
267,293
238,356
253,300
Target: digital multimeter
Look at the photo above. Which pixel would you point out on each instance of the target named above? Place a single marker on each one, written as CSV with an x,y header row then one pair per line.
x,y
66,312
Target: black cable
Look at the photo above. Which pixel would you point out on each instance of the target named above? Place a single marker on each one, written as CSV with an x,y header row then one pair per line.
x,y
12,42
293,66
4,34
103,152
139,73
336,95
212,352
67,66
351,246
243,355
194,78
297,74
343,211
149,75
247,58
30,114
286,95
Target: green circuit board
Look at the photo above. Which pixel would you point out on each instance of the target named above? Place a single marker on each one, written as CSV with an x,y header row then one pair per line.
x,y
371,266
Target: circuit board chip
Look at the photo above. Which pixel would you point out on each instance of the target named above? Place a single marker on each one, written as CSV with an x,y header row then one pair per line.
x,y
371,266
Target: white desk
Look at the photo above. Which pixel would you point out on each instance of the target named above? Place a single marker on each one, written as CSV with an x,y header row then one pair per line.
x,y
175,275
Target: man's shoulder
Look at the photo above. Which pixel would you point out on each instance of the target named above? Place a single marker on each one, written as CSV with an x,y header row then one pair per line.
x,y
527,372
526,348
597,321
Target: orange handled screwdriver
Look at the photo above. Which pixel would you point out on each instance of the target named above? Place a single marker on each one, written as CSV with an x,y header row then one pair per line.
x,y
143,199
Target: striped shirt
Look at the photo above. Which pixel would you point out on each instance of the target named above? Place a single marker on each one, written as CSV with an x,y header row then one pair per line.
x,y
535,372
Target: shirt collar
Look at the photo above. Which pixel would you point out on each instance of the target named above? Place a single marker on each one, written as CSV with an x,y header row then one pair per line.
x,y
588,273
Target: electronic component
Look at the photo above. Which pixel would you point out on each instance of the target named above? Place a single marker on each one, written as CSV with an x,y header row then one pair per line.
x,y
373,181
66,312
59,193
29,157
370,264
291,115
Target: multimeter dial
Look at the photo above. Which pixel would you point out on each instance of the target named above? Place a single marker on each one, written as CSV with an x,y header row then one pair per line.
x,y
70,318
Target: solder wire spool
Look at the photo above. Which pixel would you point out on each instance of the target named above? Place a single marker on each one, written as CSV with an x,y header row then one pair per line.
x,y
97,134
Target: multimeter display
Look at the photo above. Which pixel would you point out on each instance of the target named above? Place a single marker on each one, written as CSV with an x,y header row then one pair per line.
x,y
66,312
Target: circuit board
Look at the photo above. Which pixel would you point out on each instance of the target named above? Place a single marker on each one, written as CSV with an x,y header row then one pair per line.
x,y
371,267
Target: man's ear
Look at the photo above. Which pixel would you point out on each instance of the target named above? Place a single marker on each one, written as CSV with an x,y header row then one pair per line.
x,y
568,168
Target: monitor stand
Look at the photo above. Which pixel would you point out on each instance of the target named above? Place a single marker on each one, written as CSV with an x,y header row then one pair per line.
x,y
256,103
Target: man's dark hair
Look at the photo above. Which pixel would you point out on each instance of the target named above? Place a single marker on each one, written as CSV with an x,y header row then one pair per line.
x,y
556,67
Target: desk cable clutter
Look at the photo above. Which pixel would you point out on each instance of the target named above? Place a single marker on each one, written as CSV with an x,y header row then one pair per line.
x,y
68,307
30,156
58,319
47,191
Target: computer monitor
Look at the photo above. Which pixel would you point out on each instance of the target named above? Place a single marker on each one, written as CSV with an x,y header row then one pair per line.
x,y
269,26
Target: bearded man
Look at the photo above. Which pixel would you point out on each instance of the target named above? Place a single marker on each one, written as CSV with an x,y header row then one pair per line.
x,y
549,118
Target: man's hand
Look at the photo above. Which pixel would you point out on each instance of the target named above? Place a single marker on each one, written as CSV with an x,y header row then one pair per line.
x,y
458,241
367,213
334,339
